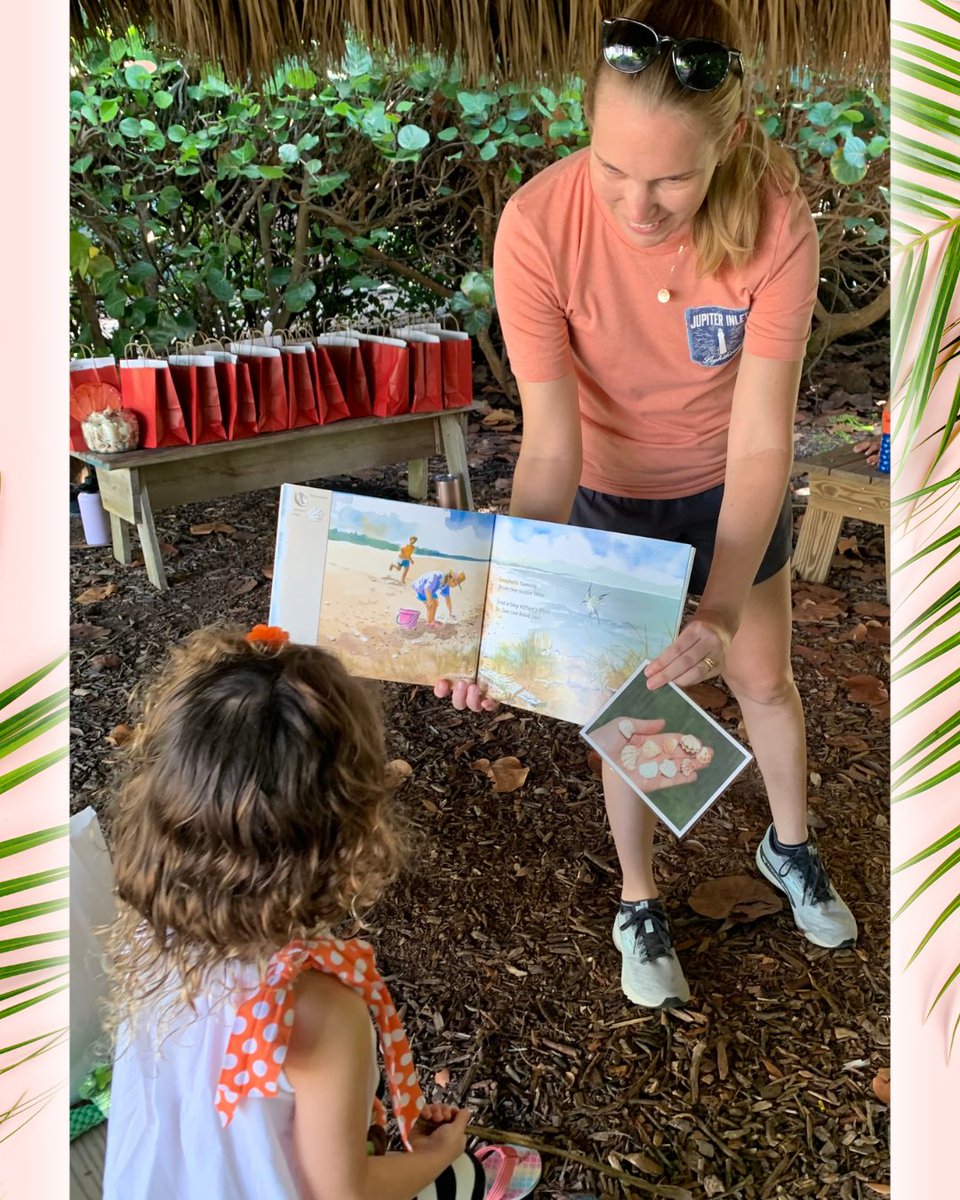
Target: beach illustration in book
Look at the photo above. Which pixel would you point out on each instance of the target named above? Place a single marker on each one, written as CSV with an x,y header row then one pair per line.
x,y
572,612
671,752
550,618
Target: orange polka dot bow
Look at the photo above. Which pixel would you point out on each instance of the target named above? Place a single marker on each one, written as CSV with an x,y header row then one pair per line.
x,y
261,1030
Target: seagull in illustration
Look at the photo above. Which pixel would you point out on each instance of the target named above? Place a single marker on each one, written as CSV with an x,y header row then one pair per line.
x,y
590,602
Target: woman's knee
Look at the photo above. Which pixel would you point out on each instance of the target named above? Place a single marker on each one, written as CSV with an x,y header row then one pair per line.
x,y
762,686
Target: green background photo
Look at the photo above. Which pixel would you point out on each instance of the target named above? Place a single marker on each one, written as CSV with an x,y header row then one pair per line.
x,y
678,805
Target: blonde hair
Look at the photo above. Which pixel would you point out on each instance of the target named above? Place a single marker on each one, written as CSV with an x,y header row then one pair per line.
x,y
255,811
726,227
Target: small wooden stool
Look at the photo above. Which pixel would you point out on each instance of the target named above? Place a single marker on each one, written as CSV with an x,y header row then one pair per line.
x,y
842,484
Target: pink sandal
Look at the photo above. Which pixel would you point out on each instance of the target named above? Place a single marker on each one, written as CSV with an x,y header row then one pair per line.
x,y
511,1171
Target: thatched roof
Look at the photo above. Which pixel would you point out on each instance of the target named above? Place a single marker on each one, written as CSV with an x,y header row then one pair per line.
x,y
518,39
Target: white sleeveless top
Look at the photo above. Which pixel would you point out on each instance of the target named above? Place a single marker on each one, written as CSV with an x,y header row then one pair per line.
x,y
164,1137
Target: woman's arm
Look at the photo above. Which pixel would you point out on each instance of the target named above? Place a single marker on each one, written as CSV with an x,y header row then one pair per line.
x,y
759,457
548,467
329,1063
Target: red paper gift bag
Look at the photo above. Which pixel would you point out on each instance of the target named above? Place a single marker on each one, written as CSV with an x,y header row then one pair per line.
x,y
426,371
343,353
456,356
88,370
195,378
301,388
387,364
269,387
147,389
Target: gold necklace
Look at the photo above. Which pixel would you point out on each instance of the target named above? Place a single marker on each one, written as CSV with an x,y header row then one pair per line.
x,y
664,295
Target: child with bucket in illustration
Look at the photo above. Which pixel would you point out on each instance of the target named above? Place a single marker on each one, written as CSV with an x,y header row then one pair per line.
x,y
254,820
429,588
405,559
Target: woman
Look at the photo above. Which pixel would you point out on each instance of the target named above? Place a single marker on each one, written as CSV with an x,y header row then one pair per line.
x,y
655,291
430,587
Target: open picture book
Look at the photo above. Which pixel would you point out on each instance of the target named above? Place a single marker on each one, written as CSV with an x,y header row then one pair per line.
x,y
549,618
673,754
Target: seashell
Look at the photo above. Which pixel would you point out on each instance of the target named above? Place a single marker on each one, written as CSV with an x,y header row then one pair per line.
x,y
690,743
670,744
627,727
704,756
688,767
650,748
630,756
648,770
668,768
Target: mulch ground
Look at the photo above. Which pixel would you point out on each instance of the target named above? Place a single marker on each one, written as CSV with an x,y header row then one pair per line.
x,y
497,940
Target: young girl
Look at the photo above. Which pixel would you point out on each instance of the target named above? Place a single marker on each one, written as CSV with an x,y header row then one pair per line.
x,y
655,291
255,819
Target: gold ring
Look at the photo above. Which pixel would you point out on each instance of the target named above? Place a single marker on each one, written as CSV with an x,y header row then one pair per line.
x,y
709,663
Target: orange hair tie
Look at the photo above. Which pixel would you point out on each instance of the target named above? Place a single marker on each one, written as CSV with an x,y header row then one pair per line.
x,y
267,635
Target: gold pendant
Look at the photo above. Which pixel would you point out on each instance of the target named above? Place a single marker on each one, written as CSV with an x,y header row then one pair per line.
x,y
663,295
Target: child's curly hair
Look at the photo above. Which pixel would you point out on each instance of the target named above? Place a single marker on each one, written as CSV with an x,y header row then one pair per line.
x,y
255,812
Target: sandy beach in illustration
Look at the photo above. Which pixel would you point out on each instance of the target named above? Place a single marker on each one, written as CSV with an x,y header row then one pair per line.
x,y
362,598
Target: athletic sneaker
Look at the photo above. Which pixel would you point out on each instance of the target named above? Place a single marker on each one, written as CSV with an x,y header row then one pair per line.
x,y
820,914
651,974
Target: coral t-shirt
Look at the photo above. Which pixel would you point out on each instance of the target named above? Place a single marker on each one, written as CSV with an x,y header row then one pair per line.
x,y
655,380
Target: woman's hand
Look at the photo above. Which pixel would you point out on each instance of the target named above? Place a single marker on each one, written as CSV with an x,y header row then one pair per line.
x,y
464,695
699,652
613,737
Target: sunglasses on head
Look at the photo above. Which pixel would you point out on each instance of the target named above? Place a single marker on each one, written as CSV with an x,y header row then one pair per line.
x,y
700,64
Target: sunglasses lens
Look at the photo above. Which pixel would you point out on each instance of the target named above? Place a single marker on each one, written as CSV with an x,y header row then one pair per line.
x,y
701,65
629,46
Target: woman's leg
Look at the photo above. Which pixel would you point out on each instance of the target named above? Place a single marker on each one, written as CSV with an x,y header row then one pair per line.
x,y
759,674
632,824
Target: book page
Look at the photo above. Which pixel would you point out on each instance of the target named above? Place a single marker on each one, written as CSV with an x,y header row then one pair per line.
x,y
302,528
398,589
572,612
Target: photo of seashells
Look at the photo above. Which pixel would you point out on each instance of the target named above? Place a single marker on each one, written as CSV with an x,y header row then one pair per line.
x,y
669,750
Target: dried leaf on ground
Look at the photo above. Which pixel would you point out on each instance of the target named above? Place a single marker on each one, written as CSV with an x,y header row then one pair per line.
x,y
267,572
870,608
442,1078
507,773
881,1189
595,763
103,662
848,545
881,1085
866,689
398,771
87,633
239,587
119,735
816,610
707,695
209,527
500,418
94,594
737,897
849,741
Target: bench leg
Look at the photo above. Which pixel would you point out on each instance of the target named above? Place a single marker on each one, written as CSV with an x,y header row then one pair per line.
x,y
819,532
417,478
455,449
120,534
149,544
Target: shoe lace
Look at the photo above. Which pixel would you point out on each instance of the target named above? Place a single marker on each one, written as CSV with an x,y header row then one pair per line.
x,y
652,932
816,884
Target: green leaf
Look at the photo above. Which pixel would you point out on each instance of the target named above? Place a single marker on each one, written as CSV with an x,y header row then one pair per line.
x,y
30,841
162,99
28,912
176,133
300,78
130,127
219,285
270,172
12,778
478,288
843,170
141,271
109,109
169,198
10,887
412,137
326,184
289,153
137,76
488,151
298,295
250,293
118,49
447,134
81,164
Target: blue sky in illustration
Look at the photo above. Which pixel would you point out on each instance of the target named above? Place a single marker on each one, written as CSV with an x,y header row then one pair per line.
x,y
441,529
590,552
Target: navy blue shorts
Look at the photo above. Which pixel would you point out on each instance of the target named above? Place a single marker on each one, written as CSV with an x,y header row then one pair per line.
x,y
690,519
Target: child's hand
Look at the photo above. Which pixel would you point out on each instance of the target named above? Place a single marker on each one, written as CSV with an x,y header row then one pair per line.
x,y
464,695
448,1135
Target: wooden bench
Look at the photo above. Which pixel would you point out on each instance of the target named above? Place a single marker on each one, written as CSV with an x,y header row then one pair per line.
x,y
842,484
135,485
